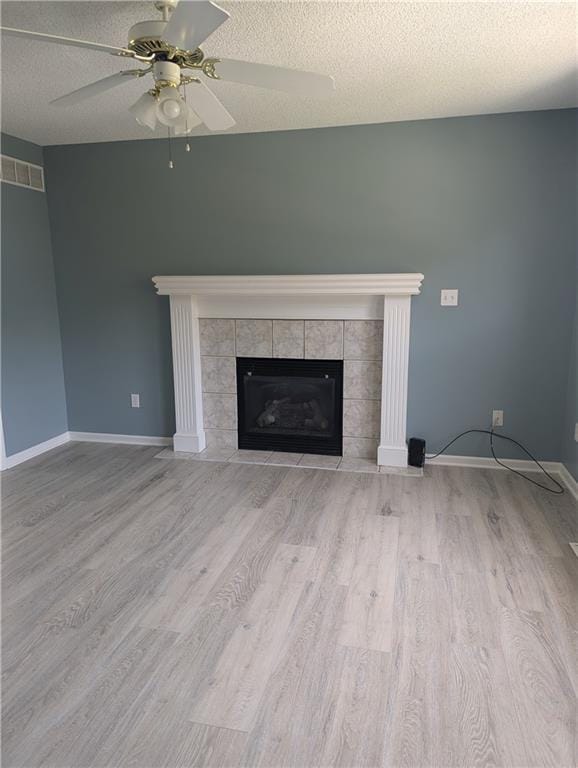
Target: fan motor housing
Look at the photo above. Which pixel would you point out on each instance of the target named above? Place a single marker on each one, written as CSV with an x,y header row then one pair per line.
x,y
167,72
146,37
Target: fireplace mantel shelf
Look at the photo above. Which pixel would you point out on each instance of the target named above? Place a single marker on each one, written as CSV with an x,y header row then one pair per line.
x,y
386,297
287,285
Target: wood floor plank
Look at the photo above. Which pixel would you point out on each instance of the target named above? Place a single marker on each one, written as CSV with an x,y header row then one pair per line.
x,y
185,589
165,739
514,582
295,712
472,613
481,721
355,735
338,533
459,548
50,672
414,727
186,670
543,692
235,688
532,528
558,578
79,737
418,536
368,614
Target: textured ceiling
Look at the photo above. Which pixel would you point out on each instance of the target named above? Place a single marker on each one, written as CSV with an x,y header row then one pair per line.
x,y
391,61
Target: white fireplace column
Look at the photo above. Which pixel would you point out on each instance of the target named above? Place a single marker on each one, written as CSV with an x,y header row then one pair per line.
x,y
392,450
190,434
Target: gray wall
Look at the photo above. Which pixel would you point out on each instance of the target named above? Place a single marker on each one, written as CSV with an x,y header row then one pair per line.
x,y
33,398
483,204
569,444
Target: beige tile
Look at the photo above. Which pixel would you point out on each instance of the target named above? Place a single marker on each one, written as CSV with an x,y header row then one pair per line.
x,y
251,457
219,375
358,465
361,418
288,338
168,453
324,339
403,471
360,447
215,454
285,459
221,438
217,336
318,461
363,340
220,411
254,338
362,379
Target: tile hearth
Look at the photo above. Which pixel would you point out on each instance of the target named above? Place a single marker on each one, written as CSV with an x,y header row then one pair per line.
x,y
297,460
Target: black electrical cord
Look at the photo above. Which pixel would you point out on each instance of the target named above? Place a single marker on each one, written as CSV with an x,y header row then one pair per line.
x,y
560,488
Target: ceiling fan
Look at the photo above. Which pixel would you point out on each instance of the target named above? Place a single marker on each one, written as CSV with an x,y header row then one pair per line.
x,y
169,50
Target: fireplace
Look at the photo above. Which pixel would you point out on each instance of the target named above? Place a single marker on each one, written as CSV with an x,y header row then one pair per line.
x,y
290,405
208,416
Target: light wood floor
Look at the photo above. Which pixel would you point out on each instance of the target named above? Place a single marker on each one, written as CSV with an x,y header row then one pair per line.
x,y
175,613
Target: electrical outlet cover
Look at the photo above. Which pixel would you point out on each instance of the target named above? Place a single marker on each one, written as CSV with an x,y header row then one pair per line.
x,y
449,297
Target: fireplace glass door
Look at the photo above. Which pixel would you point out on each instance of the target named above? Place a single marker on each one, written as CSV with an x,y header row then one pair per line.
x,y
290,405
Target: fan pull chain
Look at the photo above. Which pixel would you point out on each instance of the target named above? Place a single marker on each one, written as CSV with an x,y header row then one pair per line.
x,y
187,145
171,164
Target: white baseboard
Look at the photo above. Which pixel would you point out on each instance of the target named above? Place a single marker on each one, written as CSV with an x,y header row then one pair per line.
x,y
104,437
15,459
522,465
487,462
35,450
569,481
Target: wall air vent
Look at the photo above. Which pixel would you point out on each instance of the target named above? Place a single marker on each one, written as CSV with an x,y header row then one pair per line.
x,y
22,174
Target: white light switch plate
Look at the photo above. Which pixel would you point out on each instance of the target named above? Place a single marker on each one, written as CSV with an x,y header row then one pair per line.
x,y
135,401
449,297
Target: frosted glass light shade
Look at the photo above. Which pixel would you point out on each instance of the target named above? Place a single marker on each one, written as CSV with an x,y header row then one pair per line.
x,y
170,107
187,122
144,111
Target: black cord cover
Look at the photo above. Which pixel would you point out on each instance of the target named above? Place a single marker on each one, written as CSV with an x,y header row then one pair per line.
x,y
558,490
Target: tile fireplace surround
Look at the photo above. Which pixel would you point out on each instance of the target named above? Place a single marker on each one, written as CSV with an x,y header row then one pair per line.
x,y
362,319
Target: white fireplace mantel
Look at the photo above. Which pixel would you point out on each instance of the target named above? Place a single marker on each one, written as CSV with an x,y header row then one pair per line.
x,y
379,296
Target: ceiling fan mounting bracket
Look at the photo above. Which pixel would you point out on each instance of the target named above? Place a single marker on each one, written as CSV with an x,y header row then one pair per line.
x,y
208,67
161,5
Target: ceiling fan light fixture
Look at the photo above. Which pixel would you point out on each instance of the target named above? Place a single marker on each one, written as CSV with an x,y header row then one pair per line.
x,y
144,111
170,108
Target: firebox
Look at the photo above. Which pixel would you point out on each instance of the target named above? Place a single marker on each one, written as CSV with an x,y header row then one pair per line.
x,y
290,405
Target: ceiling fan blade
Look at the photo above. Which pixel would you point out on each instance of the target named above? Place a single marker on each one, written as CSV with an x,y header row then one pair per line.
x,y
276,78
208,107
25,33
193,21
99,86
